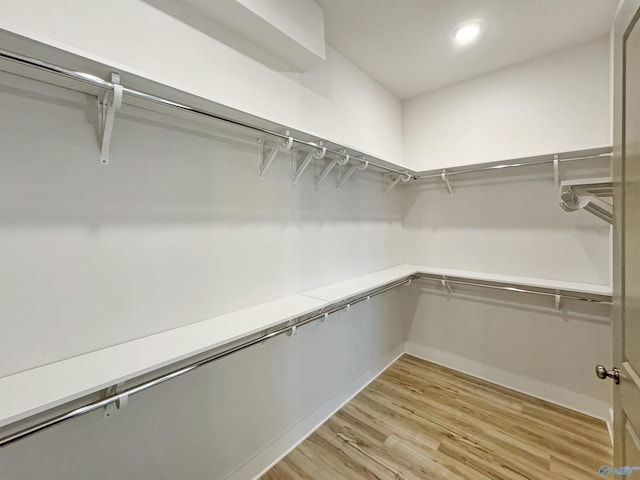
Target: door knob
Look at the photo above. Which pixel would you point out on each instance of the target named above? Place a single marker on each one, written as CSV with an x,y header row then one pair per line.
x,y
603,373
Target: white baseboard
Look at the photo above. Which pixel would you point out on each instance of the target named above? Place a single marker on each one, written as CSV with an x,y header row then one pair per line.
x,y
544,391
266,458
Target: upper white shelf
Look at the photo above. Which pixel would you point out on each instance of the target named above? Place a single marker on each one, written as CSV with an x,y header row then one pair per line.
x,y
36,390
62,66
59,64
552,159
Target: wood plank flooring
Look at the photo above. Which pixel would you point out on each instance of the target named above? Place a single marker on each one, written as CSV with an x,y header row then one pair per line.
x,y
422,421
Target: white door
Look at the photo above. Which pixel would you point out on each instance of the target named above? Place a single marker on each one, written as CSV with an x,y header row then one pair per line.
x,y
627,240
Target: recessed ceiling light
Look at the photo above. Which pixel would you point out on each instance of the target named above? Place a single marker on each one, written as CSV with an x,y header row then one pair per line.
x,y
467,32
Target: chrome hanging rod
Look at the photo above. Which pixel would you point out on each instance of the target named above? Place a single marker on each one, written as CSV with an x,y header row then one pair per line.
x,y
462,170
124,394
99,82
602,299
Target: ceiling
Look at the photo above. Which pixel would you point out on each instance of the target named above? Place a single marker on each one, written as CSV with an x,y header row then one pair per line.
x,y
407,45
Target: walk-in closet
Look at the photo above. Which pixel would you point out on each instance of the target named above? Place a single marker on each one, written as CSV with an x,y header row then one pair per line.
x,y
319,239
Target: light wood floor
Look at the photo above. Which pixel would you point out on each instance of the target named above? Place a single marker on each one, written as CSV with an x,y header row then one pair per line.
x,y
422,421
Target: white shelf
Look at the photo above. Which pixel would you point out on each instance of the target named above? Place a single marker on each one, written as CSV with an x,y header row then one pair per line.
x,y
34,391
198,95
354,286
588,288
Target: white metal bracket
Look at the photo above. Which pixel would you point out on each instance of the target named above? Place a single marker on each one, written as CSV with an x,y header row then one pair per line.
x,y
299,170
119,404
556,303
336,161
556,173
362,167
447,285
263,343
404,178
293,328
344,310
108,102
266,159
447,182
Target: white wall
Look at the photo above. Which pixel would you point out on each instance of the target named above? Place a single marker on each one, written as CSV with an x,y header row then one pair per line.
x,y
518,341
175,230
230,419
335,100
557,103
511,223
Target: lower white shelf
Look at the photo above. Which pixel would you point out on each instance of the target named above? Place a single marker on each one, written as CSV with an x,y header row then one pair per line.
x,y
37,390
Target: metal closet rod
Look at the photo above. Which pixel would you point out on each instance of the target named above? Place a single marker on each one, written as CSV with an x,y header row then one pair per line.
x,y
514,289
99,82
501,166
90,407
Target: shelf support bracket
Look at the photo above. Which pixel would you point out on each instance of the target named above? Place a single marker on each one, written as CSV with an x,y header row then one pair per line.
x,y
556,302
404,178
119,404
556,173
447,182
346,308
447,285
108,102
362,167
299,170
267,159
336,161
